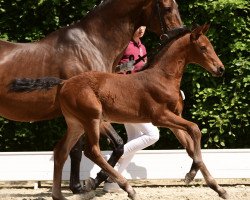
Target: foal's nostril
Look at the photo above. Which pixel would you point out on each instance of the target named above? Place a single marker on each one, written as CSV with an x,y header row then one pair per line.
x,y
221,70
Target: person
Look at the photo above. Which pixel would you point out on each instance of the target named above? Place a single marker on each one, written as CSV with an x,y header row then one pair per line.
x,y
139,135
134,51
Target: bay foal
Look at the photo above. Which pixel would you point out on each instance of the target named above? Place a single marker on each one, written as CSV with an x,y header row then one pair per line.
x,y
152,95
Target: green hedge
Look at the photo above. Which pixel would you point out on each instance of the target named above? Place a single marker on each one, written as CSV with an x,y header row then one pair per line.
x,y
218,105
221,105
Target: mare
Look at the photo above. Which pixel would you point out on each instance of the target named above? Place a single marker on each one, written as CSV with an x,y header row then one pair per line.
x,y
92,97
94,43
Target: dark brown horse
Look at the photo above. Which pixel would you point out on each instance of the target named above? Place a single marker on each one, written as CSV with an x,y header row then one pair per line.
x,y
92,97
94,43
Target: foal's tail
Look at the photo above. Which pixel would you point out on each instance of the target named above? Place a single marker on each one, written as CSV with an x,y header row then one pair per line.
x,y
29,84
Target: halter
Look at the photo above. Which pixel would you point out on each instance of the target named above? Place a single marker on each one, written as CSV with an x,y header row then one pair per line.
x,y
162,23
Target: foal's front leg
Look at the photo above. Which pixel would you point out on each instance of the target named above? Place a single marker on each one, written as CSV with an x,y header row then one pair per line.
x,y
187,142
170,120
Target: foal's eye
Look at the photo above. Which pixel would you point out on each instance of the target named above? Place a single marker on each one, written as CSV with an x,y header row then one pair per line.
x,y
203,49
167,9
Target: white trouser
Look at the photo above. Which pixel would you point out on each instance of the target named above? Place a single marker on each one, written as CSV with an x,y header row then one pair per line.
x,y
140,136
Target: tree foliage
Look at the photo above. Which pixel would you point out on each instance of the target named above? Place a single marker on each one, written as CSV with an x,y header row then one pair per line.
x,y
220,106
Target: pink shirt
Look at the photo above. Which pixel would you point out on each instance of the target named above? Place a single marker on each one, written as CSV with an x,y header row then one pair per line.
x,y
134,49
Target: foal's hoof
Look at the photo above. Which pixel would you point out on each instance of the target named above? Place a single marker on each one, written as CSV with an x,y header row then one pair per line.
x,y
188,178
137,197
223,194
132,195
88,185
84,196
58,198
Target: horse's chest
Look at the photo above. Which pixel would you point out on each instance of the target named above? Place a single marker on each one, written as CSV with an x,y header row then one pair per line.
x,y
169,103
172,104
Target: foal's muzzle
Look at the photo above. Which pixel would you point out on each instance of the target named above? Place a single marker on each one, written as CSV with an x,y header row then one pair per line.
x,y
220,71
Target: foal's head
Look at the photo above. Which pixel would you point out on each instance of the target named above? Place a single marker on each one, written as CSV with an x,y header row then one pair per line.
x,y
202,52
162,15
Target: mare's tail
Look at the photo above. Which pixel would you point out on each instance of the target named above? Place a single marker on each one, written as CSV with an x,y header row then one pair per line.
x,y
29,84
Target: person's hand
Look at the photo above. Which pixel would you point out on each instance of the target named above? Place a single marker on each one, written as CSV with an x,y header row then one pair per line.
x,y
124,67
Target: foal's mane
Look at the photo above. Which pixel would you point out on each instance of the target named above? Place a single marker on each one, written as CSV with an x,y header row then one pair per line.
x,y
164,45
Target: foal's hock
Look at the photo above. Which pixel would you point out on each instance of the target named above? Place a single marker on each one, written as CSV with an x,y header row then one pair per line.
x,y
152,95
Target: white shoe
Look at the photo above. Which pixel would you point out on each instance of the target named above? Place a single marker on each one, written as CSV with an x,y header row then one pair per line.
x,y
111,187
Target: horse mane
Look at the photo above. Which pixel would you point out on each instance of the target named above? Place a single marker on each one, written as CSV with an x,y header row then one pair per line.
x,y
89,13
165,44
97,7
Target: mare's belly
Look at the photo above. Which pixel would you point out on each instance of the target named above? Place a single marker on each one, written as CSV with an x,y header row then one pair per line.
x,y
31,106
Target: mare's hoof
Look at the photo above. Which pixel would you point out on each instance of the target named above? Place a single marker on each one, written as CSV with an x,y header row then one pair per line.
x,y
84,196
77,189
188,178
223,194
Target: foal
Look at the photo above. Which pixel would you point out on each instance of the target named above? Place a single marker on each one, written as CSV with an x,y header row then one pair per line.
x,y
152,95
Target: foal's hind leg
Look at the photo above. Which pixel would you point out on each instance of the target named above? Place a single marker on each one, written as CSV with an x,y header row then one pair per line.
x,y
61,152
92,151
108,131
169,119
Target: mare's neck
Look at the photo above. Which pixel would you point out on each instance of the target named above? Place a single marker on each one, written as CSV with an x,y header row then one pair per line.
x,y
110,27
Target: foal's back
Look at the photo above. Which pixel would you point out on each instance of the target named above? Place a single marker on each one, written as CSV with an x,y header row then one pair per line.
x,y
114,97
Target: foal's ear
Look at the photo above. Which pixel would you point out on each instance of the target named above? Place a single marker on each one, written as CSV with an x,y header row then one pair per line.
x,y
205,28
198,31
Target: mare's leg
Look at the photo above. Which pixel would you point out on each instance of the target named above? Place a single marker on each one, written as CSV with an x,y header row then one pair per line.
x,y
92,151
169,119
75,157
108,131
